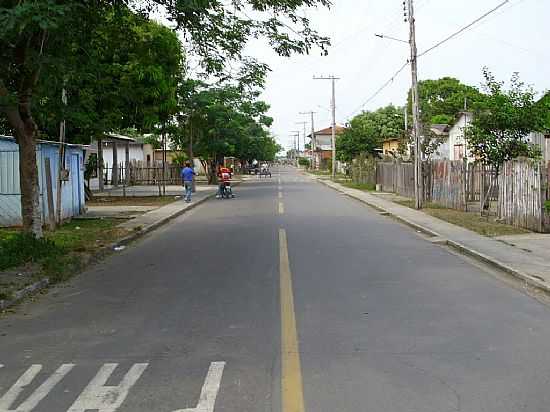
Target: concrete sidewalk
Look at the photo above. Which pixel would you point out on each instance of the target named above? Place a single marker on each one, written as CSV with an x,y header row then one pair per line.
x,y
530,267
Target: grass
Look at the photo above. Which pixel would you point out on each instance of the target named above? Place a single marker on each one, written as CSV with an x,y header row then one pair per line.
x,y
486,226
58,256
131,201
359,186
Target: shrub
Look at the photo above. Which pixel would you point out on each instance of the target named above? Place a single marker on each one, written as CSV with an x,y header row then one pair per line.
x,y
21,248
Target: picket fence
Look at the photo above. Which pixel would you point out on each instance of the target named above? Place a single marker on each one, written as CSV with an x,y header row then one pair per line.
x,y
517,197
522,193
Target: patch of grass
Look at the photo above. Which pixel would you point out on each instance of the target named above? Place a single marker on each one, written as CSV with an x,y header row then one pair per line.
x,y
21,248
131,201
486,226
359,186
58,256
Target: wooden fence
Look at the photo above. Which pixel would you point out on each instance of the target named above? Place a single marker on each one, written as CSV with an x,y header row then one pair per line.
x,y
398,177
518,193
363,171
137,173
448,184
522,192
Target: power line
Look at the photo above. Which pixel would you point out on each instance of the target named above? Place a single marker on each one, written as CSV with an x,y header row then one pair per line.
x,y
438,44
373,96
463,29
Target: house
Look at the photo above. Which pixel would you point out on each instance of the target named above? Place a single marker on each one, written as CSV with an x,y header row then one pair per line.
x,y
390,147
72,189
116,151
543,141
458,148
440,132
323,144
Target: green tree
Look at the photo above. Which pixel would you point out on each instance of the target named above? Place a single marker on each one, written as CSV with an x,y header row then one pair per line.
x,y
368,130
441,100
38,35
500,127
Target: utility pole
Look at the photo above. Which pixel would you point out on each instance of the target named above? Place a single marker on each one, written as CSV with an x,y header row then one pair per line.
x,y
333,107
304,124
296,135
312,141
418,178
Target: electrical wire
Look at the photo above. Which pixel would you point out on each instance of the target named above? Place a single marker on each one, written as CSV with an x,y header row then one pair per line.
x,y
463,29
435,46
373,96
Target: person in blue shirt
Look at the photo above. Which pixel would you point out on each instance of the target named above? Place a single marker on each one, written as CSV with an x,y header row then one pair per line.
x,y
187,175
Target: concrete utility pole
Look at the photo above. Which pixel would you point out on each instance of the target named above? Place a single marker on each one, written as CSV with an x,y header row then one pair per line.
x,y
312,142
333,107
303,124
296,135
418,179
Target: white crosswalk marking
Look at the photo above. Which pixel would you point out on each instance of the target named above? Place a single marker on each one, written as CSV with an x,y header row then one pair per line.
x,y
40,393
209,390
97,396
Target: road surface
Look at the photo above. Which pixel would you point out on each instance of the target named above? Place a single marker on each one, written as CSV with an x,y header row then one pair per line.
x,y
289,298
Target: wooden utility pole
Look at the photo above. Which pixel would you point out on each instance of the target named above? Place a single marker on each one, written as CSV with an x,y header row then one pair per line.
x,y
333,109
418,178
61,163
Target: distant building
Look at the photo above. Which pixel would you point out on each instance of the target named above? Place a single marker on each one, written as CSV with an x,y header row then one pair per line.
x,y
458,147
440,133
323,144
72,192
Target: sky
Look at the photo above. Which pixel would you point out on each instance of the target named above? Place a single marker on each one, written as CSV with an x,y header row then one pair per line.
x,y
513,39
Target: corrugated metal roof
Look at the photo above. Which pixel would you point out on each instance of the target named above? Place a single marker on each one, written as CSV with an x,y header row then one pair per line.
x,y
40,141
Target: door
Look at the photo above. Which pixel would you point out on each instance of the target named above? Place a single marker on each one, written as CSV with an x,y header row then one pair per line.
x,y
75,184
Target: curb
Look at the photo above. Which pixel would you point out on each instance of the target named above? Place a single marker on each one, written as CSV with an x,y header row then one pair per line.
x,y
23,293
42,284
149,228
528,279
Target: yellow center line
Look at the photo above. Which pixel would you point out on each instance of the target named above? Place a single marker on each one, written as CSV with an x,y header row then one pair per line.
x,y
292,391
281,208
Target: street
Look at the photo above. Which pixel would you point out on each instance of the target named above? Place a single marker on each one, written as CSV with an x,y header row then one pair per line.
x,y
292,298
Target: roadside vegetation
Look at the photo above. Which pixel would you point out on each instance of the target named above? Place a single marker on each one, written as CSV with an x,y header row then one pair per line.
x,y
486,226
25,259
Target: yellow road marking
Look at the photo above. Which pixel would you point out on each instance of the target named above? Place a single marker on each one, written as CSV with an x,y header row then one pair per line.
x,y
281,208
292,392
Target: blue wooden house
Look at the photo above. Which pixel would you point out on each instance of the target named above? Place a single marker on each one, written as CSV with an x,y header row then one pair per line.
x,y
72,190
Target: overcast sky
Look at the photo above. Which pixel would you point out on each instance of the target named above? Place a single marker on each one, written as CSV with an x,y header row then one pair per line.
x,y
515,38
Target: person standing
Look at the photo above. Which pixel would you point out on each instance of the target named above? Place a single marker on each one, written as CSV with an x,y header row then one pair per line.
x,y
188,175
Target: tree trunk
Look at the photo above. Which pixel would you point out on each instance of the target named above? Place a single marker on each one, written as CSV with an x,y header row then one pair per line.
x,y
28,175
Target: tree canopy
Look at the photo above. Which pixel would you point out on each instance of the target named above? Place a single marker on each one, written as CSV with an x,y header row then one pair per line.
x,y
48,45
501,126
368,130
442,99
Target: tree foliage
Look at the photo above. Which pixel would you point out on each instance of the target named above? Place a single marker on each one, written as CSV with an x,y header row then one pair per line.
x,y
43,42
442,99
368,130
502,124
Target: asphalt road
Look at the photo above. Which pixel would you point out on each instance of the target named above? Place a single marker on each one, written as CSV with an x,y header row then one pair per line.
x,y
289,298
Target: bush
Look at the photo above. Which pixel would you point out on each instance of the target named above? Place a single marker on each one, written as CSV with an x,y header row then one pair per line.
x,y
302,161
21,248
547,206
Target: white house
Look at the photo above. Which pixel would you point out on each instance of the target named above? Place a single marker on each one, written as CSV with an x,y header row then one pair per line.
x,y
543,141
441,133
458,148
119,149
